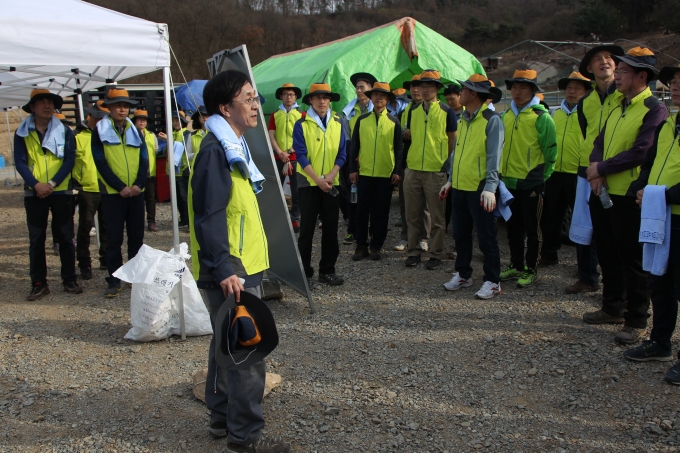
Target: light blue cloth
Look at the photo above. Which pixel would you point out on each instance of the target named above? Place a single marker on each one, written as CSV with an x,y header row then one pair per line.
x,y
655,230
236,150
653,215
315,116
491,107
55,136
513,106
177,153
401,105
349,111
581,230
565,107
293,107
503,207
109,135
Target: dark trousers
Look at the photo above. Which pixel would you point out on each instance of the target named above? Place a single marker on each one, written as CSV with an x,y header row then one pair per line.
x,y
89,203
314,202
182,187
525,222
294,195
150,199
586,261
122,215
374,196
466,213
624,283
37,211
560,193
234,396
349,210
665,292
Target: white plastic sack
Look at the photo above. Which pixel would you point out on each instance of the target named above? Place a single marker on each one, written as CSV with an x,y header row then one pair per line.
x,y
154,298
286,186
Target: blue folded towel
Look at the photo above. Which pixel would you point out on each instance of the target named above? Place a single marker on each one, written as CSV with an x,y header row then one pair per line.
x,y
506,199
653,216
655,230
236,151
581,230
55,136
109,136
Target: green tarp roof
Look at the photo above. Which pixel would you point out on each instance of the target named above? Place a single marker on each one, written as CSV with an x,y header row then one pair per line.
x,y
392,53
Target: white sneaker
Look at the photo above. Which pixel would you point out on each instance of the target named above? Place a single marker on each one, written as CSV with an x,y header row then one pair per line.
x,y
424,245
457,282
93,232
488,290
401,246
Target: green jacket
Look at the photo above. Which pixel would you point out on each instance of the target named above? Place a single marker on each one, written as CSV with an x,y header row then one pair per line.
x,y
569,139
377,145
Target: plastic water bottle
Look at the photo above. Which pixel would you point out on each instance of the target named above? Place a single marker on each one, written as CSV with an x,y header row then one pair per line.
x,y
605,199
353,194
334,190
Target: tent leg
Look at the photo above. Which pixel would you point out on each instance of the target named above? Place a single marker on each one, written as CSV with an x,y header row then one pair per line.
x,y
81,110
173,189
9,140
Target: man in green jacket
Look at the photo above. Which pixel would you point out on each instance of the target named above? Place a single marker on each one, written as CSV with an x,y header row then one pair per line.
x,y
560,188
528,161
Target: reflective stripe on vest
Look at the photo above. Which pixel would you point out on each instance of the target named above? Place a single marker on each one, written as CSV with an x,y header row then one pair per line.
x,y
285,121
85,170
376,153
569,139
122,159
43,163
429,140
596,113
469,155
666,168
522,154
322,146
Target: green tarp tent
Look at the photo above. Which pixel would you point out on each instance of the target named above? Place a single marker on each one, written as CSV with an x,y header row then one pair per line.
x,y
392,53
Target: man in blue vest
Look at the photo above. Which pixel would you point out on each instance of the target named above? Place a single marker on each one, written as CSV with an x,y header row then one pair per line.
x,y
120,155
44,153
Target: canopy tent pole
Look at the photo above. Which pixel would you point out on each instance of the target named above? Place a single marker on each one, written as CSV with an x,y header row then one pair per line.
x,y
173,189
81,110
9,140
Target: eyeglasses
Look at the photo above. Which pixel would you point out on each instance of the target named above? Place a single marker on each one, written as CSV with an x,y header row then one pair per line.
x,y
620,72
250,101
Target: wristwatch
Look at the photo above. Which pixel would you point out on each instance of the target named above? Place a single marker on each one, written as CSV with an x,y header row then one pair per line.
x,y
52,183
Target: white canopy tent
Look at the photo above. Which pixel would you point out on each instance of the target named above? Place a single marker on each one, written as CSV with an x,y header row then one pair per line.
x,y
70,46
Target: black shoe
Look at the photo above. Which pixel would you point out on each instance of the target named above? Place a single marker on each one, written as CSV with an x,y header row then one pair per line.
x,y
549,262
310,283
218,429
331,279
38,291
103,267
412,261
433,264
375,255
349,239
73,288
648,351
672,376
112,290
182,223
360,253
263,445
86,273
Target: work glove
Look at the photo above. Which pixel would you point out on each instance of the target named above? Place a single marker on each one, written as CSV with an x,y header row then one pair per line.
x,y
488,201
444,192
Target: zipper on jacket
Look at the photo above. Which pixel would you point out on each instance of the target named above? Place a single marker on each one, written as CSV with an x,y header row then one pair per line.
x,y
375,144
323,161
462,151
479,167
507,159
616,126
240,242
564,135
47,167
422,165
667,156
127,164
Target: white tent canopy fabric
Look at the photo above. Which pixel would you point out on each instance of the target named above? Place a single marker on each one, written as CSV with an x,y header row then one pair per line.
x,y
66,45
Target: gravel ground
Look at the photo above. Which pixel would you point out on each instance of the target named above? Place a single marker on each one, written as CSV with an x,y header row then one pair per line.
x,y
392,362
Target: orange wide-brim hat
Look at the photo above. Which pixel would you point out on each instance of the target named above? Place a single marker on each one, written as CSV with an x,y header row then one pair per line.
x,y
524,76
288,86
320,88
40,93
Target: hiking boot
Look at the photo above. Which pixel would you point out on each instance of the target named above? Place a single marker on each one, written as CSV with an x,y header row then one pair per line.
x,y
424,246
629,335
401,246
581,287
360,253
152,226
261,446
38,291
600,317
433,264
528,278
648,351
488,290
672,376
112,290
349,239
73,288
86,273
412,261
375,255
296,226
510,273
331,279
457,282
218,429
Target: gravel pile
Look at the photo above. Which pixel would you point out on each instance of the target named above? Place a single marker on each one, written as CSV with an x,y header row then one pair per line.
x,y
391,363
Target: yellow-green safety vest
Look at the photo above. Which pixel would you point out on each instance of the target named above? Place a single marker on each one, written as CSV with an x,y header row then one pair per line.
x,y
43,164
122,159
85,170
469,154
353,120
322,146
569,139
376,139
522,153
596,113
285,121
178,136
666,168
429,141
151,148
